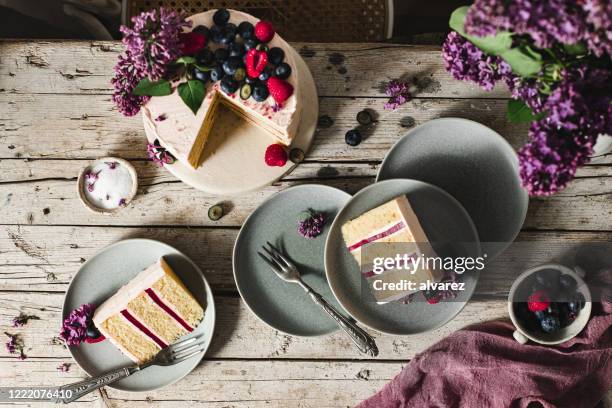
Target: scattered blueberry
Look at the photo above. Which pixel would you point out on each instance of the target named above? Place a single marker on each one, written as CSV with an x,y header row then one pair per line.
x,y
221,17
276,55
550,324
260,92
283,71
229,85
221,54
216,73
201,75
246,30
364,117
353,137
205,57
215,212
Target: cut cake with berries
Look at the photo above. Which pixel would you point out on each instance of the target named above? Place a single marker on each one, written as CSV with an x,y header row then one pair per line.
x,y
273,107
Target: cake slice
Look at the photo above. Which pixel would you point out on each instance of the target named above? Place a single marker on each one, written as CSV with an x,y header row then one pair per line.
x,y
149,313
395,224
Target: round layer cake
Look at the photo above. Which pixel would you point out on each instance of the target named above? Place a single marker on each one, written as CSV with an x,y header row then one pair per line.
x,y
184,133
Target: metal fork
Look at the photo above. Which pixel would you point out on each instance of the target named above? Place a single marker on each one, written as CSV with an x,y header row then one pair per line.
x,y
287,271
174,354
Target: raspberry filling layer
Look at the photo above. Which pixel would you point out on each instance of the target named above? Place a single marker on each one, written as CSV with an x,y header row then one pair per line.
x,y
391,230
132,319
159,302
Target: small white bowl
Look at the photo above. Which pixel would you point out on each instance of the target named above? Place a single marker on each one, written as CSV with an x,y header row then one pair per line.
x,y
81,184
522,335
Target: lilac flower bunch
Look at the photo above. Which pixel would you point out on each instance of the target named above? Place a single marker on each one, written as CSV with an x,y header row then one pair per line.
x,y
127,76
74,327
154,40
398,92
158,154
569,91
23,319
311,226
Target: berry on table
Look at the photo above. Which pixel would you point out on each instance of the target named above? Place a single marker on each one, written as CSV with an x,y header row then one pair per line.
x,y
538,301
352,137
283,71
296,155
215,212
364,117
264,31
221,17
276,155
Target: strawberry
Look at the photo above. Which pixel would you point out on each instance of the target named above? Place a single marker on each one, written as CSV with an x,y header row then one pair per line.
x,y
264,31
256,62
276,155
538,301
280,89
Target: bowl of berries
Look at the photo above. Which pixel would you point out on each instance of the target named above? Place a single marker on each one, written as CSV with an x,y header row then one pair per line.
x,y
549,304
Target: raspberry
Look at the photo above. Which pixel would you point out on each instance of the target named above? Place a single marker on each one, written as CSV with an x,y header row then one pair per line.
x,y
276,155
280,89
255,62
89,340
264,31
538,301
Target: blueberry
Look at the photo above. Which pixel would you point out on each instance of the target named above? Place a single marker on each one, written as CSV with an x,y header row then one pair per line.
x,y
202,30
221,54
245,91
567,282
283,71
550,324
201,75
364,117
250,81
216,73
221,17
260,92
231,65
227,36
250,43
92,332
205,57
540,314
229,85
215,212
246,30
352,137
265,74
236,49
276,55
215,34
239,75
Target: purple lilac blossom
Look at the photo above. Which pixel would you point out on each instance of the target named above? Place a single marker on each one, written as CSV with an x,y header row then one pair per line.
x,y
466,62
546,22
74,328
127,76
23,319
154,42
158,154
312,225
398,92
15,345
64,367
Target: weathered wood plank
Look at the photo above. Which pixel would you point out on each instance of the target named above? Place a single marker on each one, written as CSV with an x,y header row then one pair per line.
x,y
231,383
46,258
584,205
88,126
78,67
239,334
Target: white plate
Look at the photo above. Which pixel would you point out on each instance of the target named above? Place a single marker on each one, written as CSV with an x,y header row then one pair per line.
x,y
238,164
475,165
102,275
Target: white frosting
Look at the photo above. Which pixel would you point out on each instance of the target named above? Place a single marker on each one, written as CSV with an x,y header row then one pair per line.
x,y
107,184
179,127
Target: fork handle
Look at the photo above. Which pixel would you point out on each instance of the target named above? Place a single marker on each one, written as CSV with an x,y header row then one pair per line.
x,y
364,342
78,389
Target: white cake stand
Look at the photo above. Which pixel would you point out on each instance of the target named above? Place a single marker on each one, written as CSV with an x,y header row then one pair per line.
x,y
237,164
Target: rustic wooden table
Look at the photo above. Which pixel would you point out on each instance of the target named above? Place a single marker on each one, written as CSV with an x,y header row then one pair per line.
x,y
56,113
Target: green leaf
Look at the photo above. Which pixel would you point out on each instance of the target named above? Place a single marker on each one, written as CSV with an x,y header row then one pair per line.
x,y
575,49
147,88
519,112
186,60
523,62
192,93
491,44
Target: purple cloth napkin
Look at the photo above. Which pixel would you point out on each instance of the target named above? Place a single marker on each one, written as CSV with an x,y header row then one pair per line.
x,y
483,366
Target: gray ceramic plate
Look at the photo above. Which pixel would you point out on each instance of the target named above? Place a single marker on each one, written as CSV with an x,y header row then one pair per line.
x,y
442,218
475,165
282,305
107,271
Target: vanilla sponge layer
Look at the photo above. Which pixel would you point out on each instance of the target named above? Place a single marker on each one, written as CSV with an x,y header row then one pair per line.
x,y
160,309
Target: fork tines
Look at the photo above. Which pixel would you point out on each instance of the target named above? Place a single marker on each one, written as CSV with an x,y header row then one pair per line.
x,y
275,257
185,349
